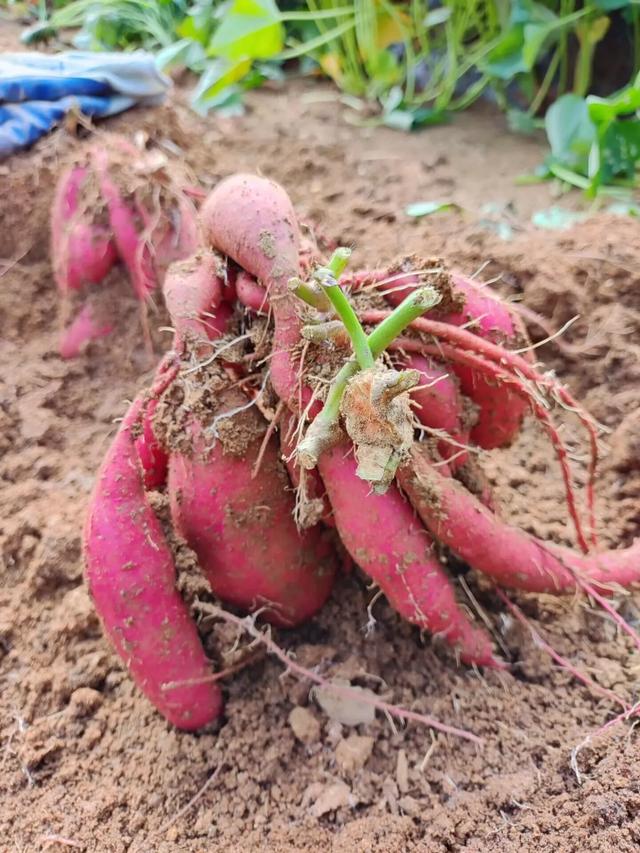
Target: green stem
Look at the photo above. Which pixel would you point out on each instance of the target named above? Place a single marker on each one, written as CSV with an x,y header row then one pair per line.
x,y
331,408
410,309
328,277
541,94
320,434
358,336
310,294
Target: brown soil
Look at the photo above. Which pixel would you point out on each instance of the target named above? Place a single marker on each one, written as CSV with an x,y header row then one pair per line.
x,y
87,764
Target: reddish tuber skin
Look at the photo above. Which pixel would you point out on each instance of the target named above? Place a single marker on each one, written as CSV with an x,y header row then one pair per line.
x,y
242,529
96,221
132,249
501,410
217,501
84,329
230,498
508,555
193,294
438,406
251,294
82,251
131,578
384,538
252,221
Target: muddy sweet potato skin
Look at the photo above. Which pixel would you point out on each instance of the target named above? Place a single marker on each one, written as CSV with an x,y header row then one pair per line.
x,y
251,220
510,556
82,249
242,528
131,577
438,405
383,536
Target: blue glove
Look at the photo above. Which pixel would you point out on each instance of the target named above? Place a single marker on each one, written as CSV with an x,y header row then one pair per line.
x,y
37,90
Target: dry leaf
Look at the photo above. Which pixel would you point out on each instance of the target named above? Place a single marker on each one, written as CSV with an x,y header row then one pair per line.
x,y
351,708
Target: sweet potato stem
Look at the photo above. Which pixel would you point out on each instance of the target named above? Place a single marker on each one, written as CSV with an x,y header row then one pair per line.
x,y
322,430
328,277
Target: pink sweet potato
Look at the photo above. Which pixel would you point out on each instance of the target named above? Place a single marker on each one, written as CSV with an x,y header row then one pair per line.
x,y
251,220
386,540
500,409
131,578
82,249
85,327
251,294
437,404
153,457
193,295
221,499
175,235
510,556
242,529
133,249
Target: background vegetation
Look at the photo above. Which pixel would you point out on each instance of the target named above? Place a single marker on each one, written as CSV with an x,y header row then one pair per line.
x,y
570,66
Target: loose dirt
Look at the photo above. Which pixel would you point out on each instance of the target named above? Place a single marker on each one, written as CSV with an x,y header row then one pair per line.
x,y
87,764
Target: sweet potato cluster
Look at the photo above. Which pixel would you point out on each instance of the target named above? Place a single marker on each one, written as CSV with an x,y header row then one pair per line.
x,y
305,411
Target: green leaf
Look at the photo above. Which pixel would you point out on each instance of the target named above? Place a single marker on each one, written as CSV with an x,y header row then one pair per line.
x,y
183,52
556,218
37,33
620,150
193,29
570,131
611,5
529,12
429,116
251,29
505,60
427,208
218,76
435,17
535,36
625,101
521,122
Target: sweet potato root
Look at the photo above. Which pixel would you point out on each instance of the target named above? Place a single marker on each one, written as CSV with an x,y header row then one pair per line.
x,y
131,578
225,493
117,203
251,220
82,247
510,556
243,529
384,538
438,405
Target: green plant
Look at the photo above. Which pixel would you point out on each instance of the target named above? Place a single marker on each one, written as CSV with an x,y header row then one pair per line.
x,y
405,63
595,142
548,48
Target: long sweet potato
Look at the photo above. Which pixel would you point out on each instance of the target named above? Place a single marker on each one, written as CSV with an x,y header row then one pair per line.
x,y
510,556
242,529
251,220
238,516
131,577
82,248
386,540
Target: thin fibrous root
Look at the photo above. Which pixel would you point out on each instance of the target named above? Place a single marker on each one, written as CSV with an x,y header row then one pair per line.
x,y
558,658
515,363
248,624
452,353
512,363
